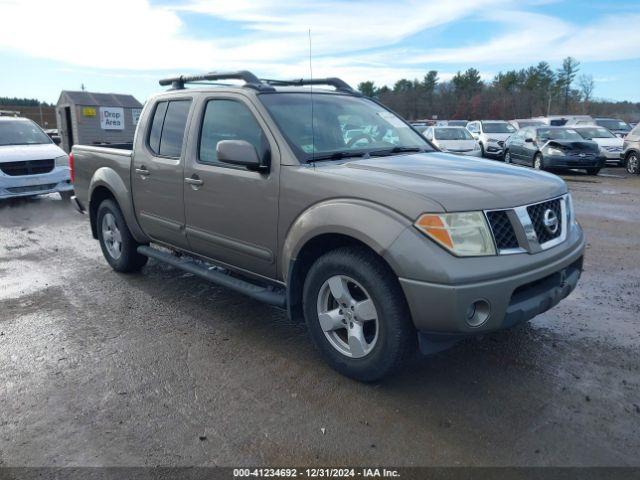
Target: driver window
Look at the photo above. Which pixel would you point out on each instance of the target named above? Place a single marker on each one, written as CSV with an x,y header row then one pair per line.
x,y
228,120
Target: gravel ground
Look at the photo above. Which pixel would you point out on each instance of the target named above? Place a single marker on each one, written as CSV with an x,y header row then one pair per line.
x,y
161,368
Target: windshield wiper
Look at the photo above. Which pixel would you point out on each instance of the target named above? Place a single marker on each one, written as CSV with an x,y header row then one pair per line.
x,y
337,156
395,150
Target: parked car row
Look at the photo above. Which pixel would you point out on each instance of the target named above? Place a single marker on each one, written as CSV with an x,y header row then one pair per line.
x,y
558,142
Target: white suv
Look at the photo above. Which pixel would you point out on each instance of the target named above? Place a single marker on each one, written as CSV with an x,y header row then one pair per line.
x,y
491,135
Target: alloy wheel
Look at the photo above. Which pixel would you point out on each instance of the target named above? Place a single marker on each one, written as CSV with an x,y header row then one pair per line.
x,y
348,316
633,165
537,162
111,235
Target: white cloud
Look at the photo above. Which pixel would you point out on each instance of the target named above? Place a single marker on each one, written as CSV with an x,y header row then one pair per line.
x,y
532,37
132,34
354,40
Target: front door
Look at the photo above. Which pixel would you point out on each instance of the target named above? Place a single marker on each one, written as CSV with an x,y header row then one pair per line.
x,y
231,212
516,145
158,175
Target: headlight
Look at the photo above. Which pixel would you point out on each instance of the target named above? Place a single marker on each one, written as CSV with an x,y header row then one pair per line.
x,y
62,161
571,214
464,234
554,151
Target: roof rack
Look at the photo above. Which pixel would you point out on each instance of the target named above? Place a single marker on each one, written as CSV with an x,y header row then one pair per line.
x,y
251,81
337,83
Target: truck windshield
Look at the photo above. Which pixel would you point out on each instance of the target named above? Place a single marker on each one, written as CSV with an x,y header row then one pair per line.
x,y
340,126
20,132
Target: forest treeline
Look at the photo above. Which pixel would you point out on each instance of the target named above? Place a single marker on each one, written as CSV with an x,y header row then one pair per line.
x,y
529,92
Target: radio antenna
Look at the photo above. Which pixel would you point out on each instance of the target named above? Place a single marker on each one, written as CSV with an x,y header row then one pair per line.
x,y
313,136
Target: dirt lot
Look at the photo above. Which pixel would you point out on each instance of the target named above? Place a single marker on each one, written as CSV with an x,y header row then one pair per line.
x,y
160,368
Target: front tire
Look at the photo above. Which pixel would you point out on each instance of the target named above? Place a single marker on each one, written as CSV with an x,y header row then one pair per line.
x,y
118,245
632,164
593,171
482,154
507,156
357,315
538,162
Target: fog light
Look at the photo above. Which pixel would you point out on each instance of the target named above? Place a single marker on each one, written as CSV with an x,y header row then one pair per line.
x,y
478,313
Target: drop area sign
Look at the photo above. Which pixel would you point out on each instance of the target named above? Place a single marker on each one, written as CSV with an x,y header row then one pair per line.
x,y
112,118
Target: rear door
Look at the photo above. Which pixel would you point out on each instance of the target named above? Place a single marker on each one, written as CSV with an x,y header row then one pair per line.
x,y
158,172
232,212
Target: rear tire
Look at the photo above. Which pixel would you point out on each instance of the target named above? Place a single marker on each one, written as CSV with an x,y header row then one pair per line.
x,y
593,171
384,333
118,245
632,164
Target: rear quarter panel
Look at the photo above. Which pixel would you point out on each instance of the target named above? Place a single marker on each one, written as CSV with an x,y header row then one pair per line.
x,y
110,168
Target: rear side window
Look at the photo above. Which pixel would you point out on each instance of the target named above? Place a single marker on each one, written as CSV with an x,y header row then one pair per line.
x,y
168,126
156,127
228,120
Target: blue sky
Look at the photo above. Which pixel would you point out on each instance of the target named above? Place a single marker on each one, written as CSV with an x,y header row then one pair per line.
x,y
125,46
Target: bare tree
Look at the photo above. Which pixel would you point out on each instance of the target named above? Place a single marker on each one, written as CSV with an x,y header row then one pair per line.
x,y
587,85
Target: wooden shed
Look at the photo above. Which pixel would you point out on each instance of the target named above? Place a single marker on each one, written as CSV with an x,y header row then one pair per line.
x,y
90,118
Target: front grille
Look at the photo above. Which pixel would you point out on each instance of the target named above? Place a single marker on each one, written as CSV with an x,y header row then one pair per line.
x,y
502,230
536,213
582,155
501,143
28,167
32,188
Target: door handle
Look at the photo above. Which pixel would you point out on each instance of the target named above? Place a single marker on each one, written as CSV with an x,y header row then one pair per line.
x,y
142,170
195,181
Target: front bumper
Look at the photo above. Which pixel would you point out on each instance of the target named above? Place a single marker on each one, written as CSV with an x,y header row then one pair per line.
x,y
494,150
57,180
518,288
564,161
612,158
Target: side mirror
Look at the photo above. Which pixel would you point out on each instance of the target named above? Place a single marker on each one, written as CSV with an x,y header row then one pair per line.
x,y
56,139
239,152
529,140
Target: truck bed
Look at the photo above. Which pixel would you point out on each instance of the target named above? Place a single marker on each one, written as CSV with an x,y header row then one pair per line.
x,y
89,159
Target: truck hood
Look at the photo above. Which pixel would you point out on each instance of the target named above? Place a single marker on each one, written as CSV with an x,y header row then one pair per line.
x,y
456,183
17,153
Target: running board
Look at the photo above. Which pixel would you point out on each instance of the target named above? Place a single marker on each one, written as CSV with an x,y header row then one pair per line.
x,y
258,292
